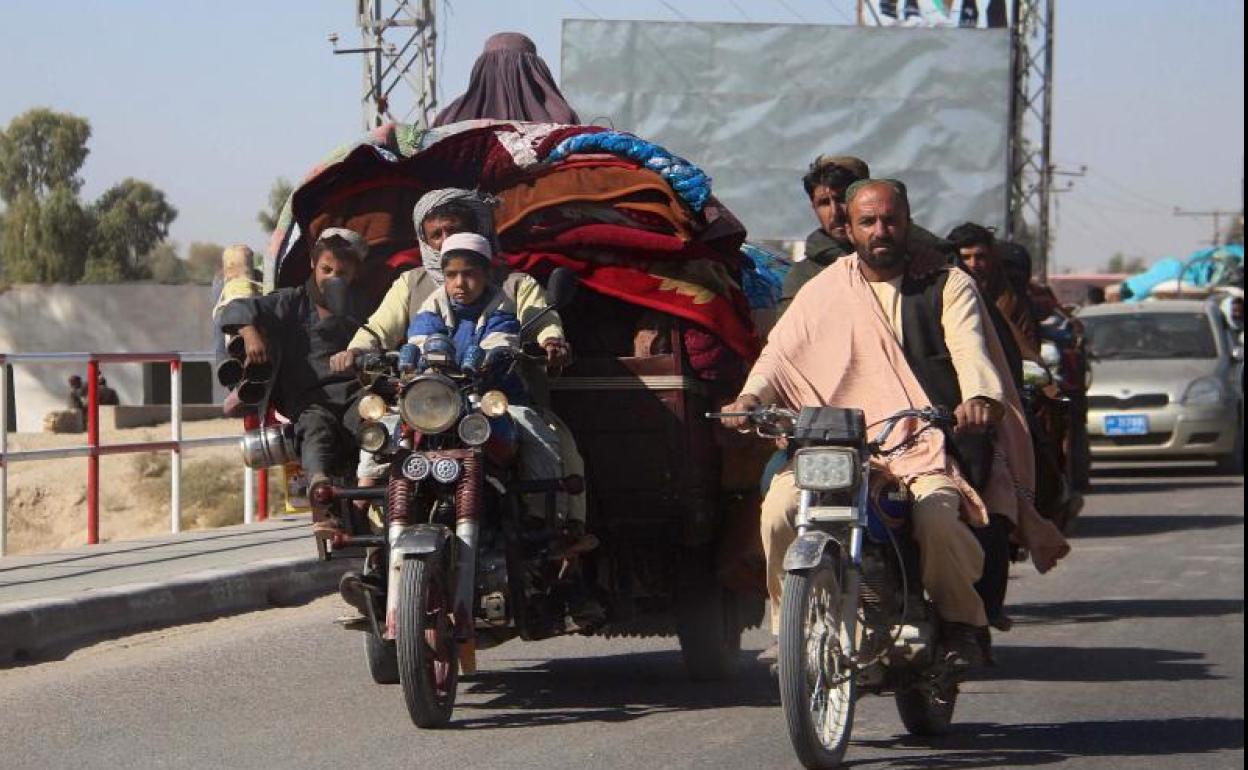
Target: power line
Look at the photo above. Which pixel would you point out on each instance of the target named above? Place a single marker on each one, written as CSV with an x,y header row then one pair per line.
x,y
589,10
740,10
790,9
841,12
674,10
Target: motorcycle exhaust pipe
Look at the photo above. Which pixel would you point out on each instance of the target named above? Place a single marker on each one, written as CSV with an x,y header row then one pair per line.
x,y
229,373
258,372
251,393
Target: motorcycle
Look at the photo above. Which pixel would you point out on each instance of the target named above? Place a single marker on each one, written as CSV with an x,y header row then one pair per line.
x,y
459,565
853,618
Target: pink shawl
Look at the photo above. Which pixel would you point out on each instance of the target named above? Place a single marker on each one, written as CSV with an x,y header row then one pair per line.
x,y
834,347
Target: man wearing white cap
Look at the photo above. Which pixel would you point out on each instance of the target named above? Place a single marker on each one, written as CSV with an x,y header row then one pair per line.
x,y
474,312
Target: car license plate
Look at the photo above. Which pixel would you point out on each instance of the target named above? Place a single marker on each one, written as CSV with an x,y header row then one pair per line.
x,y
1126,425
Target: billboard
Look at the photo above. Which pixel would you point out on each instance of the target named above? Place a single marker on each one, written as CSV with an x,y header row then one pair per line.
x,y
753,104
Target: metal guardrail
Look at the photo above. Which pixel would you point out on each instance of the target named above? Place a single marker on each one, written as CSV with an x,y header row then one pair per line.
x,y
255,486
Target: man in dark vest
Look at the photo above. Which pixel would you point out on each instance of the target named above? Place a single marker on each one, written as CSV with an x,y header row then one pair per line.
x,y
881,330
825,183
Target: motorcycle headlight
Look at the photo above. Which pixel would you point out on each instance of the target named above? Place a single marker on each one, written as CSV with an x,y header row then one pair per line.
x,y
494,403
474,430
431,404
826,469
1206,391
373,437
372,407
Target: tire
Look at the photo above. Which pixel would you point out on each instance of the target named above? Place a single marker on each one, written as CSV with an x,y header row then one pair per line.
x,y
383,659
708,625
819,740
927,711
1232,464
427,661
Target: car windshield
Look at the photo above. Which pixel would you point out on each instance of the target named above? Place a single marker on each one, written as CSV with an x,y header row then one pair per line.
x,y
1150,336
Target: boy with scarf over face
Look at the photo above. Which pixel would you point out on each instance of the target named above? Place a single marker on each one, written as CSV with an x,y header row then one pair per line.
x,y
305,333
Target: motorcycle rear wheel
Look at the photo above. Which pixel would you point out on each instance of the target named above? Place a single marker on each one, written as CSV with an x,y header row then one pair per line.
x,y
817,689
927,711
428,665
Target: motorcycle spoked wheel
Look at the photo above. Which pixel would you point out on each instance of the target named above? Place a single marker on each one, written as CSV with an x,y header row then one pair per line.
x,y
817,688
927,708
428,666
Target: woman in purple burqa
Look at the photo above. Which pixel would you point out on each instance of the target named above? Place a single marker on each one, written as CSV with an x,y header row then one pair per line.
x,y
510,82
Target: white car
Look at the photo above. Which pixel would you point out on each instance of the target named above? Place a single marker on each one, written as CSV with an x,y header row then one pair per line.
x,y
1165,383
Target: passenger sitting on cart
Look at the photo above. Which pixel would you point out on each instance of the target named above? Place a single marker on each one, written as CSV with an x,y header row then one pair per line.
x,y
438,215
319,401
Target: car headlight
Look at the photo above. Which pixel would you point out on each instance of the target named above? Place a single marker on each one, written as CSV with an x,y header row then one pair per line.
x,y
826,469
1206,391
373,437
431,404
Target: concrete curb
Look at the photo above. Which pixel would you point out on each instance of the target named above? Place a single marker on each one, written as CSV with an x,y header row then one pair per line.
x,y
50,628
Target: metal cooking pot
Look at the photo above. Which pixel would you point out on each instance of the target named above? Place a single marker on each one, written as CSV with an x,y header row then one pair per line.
x,y
269,446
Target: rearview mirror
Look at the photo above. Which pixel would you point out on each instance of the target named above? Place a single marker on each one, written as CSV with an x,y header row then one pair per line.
x,y
561,287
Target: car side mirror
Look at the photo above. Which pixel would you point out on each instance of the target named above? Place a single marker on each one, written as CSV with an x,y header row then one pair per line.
x,y
560,289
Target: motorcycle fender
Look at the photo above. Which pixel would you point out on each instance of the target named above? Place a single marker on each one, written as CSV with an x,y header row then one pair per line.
x,y
421,540
807,550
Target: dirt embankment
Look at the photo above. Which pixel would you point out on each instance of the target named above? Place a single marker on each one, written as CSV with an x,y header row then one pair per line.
x,y
48,498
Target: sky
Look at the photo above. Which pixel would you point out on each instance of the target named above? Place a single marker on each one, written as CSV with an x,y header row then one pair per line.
x,y
213,101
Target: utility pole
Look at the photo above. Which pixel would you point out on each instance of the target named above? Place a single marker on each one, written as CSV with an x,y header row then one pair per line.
x,y
1216,215
1031,128
399,47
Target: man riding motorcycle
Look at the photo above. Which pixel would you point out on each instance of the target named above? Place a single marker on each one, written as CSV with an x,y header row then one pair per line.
x,y
906,334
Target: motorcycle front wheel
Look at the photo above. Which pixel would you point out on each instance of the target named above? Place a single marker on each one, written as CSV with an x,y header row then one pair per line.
x,y
428,666
817,688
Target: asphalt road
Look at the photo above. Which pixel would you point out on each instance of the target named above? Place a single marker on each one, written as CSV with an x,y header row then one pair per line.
x,y
1131,655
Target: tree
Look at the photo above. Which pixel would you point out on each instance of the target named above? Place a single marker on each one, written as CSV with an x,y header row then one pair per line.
x,y
132,217
165,265
42,151
45,242
203,261
278,194
1120,263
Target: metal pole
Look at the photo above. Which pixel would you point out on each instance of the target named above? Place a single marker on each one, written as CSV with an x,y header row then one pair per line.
x,y
4,466
175,456
93,445
1046,176
249,495
262,494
